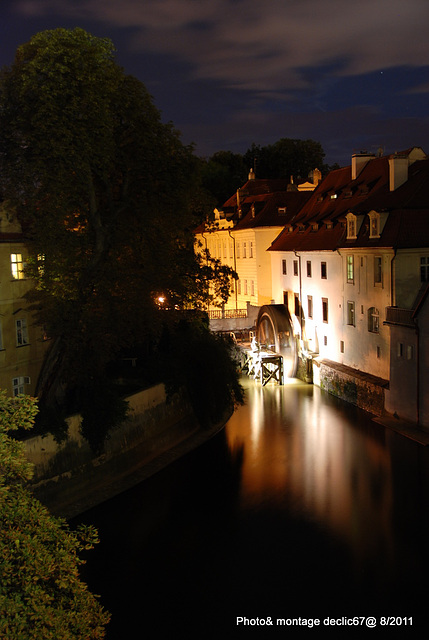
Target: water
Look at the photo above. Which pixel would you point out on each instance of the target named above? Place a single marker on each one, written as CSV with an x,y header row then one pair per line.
x,y
301,508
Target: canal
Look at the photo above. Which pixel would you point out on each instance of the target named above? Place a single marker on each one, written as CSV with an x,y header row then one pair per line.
x,y
302,508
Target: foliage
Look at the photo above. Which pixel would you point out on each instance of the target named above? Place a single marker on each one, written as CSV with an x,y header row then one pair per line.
x,y
41,594
107,195
201,362
222,174
285,158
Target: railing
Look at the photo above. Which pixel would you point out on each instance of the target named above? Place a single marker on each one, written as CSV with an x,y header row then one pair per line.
x,y
217,314
396,315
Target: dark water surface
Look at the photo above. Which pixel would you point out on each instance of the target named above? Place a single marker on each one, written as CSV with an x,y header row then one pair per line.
x,y
301,508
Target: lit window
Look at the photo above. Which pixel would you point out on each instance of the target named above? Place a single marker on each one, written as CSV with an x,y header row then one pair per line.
x,y
323,270
284,269
350,269
373,320
21,332
351,313
17,266
325,309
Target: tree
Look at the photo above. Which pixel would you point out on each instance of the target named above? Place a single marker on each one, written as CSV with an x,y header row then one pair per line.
x,y
222,174
104,192
285,158
41,593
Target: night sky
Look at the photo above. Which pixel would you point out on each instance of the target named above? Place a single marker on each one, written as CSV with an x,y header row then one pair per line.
x,y
228,73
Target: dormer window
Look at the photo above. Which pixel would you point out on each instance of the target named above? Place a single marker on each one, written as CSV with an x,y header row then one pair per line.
x,y
282,211
374,224
351,226
334,196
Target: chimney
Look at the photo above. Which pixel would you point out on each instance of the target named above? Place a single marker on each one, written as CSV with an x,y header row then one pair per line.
x,y
398,171
316,176
251,175
359,160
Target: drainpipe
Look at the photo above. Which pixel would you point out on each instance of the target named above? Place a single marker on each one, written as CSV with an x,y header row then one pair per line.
x,y
392,280
235,269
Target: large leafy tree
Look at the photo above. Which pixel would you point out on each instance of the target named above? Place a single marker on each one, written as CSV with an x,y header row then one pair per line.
x,y
41,592
104,192
285,158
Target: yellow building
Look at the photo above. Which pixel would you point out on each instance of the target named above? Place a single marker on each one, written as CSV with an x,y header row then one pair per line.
x,y
241,233
22,344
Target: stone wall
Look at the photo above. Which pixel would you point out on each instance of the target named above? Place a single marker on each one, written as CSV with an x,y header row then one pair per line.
x,y
363,390
68,472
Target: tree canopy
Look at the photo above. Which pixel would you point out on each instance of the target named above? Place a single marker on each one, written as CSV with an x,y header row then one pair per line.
x,y
105,193
41,593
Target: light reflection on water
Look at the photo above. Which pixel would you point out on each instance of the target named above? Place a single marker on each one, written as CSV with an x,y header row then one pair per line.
x,y
302,506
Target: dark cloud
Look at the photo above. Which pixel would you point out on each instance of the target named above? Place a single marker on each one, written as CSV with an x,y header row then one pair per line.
x,y
232,72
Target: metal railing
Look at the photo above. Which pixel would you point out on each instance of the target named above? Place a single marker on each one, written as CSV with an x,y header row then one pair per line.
x,y
217,314
396,315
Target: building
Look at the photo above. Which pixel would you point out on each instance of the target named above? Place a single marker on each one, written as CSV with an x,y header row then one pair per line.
x,y
22,344
244,229
357,251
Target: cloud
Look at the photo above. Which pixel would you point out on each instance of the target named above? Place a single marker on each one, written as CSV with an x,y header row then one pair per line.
x,y
263,47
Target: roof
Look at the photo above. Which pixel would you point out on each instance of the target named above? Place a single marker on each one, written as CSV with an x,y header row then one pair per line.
x,y
321,222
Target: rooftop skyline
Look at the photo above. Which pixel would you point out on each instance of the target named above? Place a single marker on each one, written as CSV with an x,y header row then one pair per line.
x,y
230,73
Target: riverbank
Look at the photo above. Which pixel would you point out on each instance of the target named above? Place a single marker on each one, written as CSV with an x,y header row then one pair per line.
x,y
123,472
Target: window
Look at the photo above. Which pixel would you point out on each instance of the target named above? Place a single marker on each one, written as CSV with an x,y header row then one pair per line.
x,y
295,267
399,349
245,287
296,310
373,320
323,270
424,269
251,250
350,269
325,309
231,249
21,332
341,346
18,385
284,269
239,287
308,268
351,313
238,250
244,249
374,224
252,287
351,226
410,352
224,249
378,270
378,352
17,266
310,306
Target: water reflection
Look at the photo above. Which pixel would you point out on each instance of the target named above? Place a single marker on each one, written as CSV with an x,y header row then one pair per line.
x,y
301,506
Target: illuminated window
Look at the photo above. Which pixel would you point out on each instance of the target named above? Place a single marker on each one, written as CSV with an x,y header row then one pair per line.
x,y
284,269
18,385
17,266
21,332
351,313
378,270
350,269
325,309
373,320
323,270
